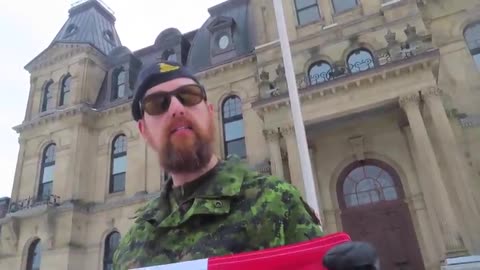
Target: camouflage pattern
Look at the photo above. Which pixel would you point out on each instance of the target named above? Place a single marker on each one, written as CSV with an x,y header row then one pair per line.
x,y
231,209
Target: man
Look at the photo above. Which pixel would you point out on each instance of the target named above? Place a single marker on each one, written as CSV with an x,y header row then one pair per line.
x,y
208,207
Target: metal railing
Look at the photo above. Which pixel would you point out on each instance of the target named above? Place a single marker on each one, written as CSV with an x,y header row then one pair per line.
x,y
30,202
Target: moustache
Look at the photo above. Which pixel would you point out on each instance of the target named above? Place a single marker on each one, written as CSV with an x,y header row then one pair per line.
x,y
181,122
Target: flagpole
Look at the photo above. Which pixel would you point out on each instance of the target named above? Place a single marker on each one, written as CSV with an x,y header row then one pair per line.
x,y
306,166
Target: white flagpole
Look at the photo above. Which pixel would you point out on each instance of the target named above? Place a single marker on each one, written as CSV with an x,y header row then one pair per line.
x,y
308,179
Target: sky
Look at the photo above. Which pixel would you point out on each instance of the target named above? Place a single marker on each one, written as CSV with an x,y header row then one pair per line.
x,y
28,26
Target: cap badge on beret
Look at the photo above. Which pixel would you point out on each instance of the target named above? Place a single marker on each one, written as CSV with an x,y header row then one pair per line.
x,y
164,68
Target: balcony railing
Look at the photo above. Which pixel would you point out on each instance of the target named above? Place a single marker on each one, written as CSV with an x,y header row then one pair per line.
x,y
31,202
394,52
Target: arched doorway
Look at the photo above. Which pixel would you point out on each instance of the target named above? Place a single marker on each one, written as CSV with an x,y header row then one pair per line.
x,y
371,198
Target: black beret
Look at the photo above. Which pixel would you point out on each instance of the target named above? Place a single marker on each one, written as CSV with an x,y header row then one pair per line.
x,y
154,74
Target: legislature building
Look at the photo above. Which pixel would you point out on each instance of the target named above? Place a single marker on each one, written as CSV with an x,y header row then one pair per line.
x,y
390,94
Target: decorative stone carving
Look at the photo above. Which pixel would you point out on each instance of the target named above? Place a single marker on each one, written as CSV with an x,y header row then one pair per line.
x,y
288,131
390,37
281,81
358,147
271,135
408,100
266,87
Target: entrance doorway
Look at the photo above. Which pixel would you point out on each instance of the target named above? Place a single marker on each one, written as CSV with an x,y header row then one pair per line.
x,y
371,199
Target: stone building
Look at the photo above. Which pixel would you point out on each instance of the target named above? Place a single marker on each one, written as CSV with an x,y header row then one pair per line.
x,y
390,95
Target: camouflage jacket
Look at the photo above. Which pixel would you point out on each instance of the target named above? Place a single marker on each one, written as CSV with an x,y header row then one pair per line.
x,y
230,209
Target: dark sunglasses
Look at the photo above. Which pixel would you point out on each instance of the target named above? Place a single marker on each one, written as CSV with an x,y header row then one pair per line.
x,y
189,95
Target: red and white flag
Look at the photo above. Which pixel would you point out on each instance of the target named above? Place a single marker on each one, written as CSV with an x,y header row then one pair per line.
x,y
306,255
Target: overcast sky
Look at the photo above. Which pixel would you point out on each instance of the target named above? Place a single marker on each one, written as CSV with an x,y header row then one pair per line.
x,y
28,26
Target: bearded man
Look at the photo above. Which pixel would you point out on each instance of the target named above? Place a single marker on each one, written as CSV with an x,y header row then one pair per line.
x,y
208,207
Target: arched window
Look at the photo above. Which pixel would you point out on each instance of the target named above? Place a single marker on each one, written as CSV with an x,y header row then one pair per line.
x,y
360,60
233,127
111,244
340,6
472,37
367,183
119,82
47,97
47,172
319,72
34,255
118,164
65,90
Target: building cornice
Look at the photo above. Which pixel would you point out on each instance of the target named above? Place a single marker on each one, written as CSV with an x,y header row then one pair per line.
x,y
205,74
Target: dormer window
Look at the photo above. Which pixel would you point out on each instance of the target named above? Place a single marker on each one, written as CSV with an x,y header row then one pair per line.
x,y
119,83
71,29
222,35
108,35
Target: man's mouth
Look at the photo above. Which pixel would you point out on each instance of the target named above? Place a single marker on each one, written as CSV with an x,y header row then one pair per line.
x,y
180,128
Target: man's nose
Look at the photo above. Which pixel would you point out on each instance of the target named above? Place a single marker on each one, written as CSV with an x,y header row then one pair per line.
x,y
176,108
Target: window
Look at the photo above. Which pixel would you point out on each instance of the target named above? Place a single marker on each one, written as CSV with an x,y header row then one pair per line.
x,y
360,60
34,255
108,35
307,11
368,184
343,5
233,127
65,91
319,72
71,29
472,37
47,173
111,244
118,164
47,98
119,84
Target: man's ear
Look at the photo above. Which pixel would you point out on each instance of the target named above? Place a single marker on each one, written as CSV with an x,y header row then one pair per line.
x,y
210,107
142,129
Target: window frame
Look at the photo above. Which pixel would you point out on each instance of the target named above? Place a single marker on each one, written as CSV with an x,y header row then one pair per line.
x,y
319,63
32,252
44,164
359,49
107,260
113,156
62,100
335,12
116,86
47,94
232,119
473,51
297,12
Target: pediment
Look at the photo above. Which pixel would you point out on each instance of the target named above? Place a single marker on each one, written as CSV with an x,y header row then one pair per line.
x,y
221,22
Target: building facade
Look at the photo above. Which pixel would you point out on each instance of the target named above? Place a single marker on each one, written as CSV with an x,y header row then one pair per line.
x,y
390,97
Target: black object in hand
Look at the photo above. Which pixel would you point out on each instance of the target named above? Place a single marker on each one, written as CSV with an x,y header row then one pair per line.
x,y
352,256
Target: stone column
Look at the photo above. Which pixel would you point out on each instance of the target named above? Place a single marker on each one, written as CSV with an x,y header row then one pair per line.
x,y
273,140
458,181
296,176
432,184
428,225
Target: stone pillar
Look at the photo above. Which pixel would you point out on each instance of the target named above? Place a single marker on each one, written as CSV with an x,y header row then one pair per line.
x,y
273,140
432,184
458,181
430,233
296,177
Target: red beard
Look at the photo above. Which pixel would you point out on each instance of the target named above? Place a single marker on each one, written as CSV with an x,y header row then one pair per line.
x,y
189,150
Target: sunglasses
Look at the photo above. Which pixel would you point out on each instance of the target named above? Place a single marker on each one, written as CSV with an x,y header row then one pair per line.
x,y
189,95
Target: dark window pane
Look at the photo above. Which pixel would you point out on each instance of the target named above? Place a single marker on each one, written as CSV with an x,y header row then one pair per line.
x,y
47,102
232,107
351,200
319,72
385,180
45,190
343,5
121,77
34,256
48,174
120,145
118,183
357,174
374,196
348,186
363,198
304,3
365,185
237,148
472,36
65,94
360,60
476,58
234,130
50,153
111,244
390,193
372,171
308,15
121,91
